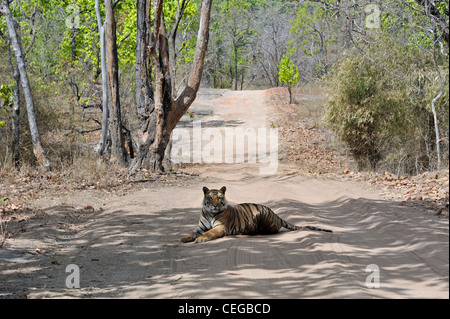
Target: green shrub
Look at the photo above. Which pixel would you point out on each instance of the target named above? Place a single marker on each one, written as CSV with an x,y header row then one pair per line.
x,y
380,107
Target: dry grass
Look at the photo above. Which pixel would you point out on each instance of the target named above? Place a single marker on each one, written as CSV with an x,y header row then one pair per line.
x,y
303,139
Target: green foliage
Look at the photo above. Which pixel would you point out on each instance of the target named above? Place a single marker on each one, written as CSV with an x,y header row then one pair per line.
x,y
186,30
233,35
409,27
313,37
6,97
380,107
363,108
287,71
304,25
87,45
379,97
6,94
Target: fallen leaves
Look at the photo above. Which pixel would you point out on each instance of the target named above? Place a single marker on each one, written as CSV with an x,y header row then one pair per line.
x,y
301,140
11,211
86,209
430,189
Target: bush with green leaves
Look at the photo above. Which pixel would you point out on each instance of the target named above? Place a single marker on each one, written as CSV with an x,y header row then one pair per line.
x,y
379,107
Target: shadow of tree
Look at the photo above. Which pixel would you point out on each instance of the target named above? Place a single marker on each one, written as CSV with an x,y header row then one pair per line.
x,y
125,253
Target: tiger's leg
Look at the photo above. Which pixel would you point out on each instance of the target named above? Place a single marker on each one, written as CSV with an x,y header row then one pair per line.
x,y
188,238
202,227
214,233
192,236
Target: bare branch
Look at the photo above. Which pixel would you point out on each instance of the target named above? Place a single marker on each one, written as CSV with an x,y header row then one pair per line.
x,y
114,3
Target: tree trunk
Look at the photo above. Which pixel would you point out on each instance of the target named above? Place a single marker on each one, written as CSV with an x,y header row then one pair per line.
x,y
102,145
235,65
154,141
115,122
16,120
290,94
435,99
155,131
15,146
35,137
144,87
145,107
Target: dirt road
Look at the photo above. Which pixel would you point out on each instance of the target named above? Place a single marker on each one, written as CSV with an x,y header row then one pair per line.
x,y
128,246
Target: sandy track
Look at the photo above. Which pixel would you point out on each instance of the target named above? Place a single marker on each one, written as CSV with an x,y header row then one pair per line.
x,y
131,248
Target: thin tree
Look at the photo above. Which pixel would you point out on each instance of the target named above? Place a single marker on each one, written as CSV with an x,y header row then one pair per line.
x,y
115,121
16,108
102,145
38,150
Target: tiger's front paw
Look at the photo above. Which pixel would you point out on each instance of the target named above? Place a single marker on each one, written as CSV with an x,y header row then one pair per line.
x,y
201,239
187,238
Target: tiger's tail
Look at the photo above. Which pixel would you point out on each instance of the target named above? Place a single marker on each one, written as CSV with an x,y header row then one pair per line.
x,y
290,226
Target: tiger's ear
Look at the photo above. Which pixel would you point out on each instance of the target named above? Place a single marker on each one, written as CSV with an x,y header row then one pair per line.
x,y
205,190
223,190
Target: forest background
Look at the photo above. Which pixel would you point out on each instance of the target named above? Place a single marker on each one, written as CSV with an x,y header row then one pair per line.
x,y
382,64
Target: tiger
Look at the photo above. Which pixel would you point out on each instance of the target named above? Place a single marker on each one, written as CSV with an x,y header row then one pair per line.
x,y
220,219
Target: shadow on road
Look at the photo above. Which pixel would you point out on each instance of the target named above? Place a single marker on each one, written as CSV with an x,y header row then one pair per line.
x,y
138,253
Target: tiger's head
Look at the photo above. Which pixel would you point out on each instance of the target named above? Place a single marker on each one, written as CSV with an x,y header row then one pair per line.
x,y
214,200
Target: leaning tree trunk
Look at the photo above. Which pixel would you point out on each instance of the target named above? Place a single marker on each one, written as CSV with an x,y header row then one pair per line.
x,y
115,122
35,137
154,134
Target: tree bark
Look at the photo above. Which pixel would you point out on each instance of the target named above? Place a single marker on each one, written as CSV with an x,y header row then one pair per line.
x,y
144,134
102,145
144,87
290,93
435,99
16,120
118,152
163,100
38,150
161,120
235,65
16,111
